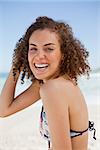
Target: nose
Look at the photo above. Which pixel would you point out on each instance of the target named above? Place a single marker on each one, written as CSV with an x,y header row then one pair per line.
x,y
40,54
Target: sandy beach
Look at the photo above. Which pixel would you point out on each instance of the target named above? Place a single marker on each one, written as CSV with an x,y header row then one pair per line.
x,y
21,130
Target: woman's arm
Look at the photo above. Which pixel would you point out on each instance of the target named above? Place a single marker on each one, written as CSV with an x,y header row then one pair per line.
x,y
56,107
10,105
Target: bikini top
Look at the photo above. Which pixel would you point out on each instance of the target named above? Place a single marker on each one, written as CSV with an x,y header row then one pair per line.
x,y
44,129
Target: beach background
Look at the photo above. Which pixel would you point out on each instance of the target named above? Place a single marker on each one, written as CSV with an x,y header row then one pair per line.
x,y
21,130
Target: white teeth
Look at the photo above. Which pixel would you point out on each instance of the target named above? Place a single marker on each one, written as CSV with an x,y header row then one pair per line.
x,y
41,65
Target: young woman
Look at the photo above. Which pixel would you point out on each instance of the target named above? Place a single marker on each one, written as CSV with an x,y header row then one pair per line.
x,y
53,59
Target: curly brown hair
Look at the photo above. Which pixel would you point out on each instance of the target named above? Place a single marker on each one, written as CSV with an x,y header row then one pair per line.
x,y
74,54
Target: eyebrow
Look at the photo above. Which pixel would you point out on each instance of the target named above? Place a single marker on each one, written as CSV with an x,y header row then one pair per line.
x,y
49,44
32,44
44,45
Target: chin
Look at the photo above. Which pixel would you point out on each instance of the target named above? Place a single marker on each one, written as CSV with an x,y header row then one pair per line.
x,y
44,76
39,77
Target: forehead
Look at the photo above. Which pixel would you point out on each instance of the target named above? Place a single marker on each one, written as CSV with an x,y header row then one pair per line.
x,y
44,36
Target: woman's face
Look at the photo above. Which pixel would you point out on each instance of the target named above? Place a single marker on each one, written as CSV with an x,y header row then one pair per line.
x,y
44,54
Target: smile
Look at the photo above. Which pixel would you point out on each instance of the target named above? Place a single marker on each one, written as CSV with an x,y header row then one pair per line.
x,y
41,66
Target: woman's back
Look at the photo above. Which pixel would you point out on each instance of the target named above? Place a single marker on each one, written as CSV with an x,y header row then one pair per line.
x,y
77,110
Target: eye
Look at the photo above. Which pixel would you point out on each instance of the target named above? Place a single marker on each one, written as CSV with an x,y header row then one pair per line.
x,y
33,49
49,49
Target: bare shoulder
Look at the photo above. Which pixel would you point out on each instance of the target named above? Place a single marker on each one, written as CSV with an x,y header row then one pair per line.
x,y
53,85
57,83
60,88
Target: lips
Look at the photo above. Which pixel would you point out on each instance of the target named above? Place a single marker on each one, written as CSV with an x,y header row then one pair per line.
x,y
40,66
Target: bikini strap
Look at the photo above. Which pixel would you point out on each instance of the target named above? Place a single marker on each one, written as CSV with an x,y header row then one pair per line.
x,y
48,144
78,133
91,128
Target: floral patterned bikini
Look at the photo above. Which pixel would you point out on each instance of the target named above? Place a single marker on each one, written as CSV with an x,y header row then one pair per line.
x,y
44,129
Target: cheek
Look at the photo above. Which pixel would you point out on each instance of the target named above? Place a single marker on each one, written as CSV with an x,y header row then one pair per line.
x,y
30,62
29,59
57,57
56,54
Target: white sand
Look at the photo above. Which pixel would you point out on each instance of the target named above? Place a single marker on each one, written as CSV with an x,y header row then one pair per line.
x,y
21,130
